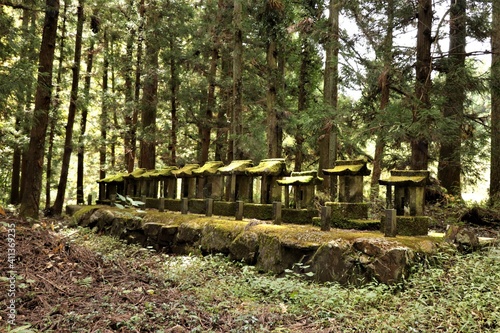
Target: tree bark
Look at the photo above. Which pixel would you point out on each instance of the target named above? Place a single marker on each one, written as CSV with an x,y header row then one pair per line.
x,y
80,195
104,110
237,126
174,85
420,143
327,143
68,141
30,202
495,106
150,93
25,99
450,166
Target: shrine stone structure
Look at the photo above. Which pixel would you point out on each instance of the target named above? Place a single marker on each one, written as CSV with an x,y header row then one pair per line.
x,y
188,180
210,181
238,185
303,186
405,192
109,187
269,171
348,201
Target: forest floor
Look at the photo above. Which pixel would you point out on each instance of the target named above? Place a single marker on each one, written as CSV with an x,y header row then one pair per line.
x,y
72,280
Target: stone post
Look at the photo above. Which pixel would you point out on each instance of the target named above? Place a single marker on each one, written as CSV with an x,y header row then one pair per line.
x,y
209,207
184,205
390,223
89,199
277,212
161,207
239,210
326,217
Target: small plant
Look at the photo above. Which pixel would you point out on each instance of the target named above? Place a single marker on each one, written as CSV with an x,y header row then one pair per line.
x,y
127,201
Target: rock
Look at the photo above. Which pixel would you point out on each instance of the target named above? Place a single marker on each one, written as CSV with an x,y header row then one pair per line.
x,y
392,265
463,238
334,261
245,247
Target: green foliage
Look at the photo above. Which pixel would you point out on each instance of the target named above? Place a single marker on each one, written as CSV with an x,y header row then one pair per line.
x,y
445,293
127,202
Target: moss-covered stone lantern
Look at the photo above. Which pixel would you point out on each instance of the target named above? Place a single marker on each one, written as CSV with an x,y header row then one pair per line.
x,y
408,200
238,185
269,171
348,201
164,181
110,186
210,182
133,185
304,188
188,180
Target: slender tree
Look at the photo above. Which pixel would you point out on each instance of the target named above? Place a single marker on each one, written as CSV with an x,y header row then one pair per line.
x,y
30,202
450,166
150,90
104,118
68,142
495,106
80,197
423,68
236,119
328,139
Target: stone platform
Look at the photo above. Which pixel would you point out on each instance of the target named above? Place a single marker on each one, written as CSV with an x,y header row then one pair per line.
x,y
346,256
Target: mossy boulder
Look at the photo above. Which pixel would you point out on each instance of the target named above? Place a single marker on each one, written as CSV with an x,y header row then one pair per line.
x,y
217,237
245,247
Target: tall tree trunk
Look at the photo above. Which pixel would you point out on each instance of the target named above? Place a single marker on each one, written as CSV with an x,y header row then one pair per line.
x,y
272,91
104,109
303,99
173,110
24,99
206,124
236,121
150,93
450,166
129,135
384,86
419,143
138,74
54,112
328,140
224,17
80,195
68,141
495,106
30,202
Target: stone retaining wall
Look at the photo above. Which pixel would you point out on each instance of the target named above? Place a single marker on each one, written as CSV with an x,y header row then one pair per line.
x,y
345,256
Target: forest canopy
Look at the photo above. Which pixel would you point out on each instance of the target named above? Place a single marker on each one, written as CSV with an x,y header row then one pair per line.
x,y
89,88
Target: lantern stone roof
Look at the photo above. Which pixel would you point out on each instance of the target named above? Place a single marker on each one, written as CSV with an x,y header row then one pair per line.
x,y
118,178
164,172
269,167
406,178
301,178
236,167
209,168
185,171
135,173
349,168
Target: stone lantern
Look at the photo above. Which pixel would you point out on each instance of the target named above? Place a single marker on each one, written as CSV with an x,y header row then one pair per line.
x,y
269,171
188,180
238,183
304,188
210,182
405,206
350,181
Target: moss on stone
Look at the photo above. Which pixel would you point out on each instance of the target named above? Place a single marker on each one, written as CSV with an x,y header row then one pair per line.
x,y
209,168
269,167
236,166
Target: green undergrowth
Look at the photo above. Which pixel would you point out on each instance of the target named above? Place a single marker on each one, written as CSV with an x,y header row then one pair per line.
x,y
456,293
